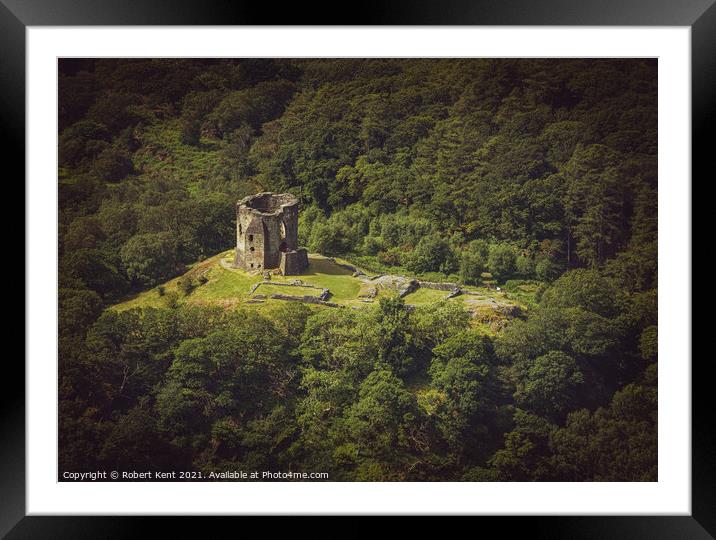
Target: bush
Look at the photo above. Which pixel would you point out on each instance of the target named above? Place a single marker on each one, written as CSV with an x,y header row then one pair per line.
x,y
372,245
115,111
402,230
515,284
502,261
587,289
474,261
113,164
432,254
149,258
546,269
79,309
391,257
171,299
75,142
328,239
649,343
252,106
307,218
525,266
186,285
95,270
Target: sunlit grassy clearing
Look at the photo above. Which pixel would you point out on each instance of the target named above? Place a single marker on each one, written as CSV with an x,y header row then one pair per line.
x,y
234,284
230,287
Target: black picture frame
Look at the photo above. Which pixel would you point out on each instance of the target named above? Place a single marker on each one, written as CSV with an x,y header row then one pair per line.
x,y
16,15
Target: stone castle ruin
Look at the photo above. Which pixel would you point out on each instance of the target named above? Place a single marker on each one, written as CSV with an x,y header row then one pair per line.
x,y
267,234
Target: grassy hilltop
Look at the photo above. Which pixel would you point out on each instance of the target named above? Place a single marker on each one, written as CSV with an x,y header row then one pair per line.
x,y
226,286
216,283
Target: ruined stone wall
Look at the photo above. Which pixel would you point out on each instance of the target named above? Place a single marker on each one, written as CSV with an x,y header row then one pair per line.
x,y
294,262
438,286
251,241
305,299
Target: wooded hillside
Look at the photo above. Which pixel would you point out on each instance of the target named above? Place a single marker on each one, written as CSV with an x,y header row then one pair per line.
x,y
506,171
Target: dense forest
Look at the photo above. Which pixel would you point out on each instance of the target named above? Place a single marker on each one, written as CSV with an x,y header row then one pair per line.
x,y
507,171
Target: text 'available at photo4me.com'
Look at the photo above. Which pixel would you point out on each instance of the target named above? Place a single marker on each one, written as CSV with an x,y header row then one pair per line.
x,y
101,475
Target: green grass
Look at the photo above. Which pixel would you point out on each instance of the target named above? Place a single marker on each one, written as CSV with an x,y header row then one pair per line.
x,y
224,287
146,299
324,273
223,284
372,264
292,291
230,287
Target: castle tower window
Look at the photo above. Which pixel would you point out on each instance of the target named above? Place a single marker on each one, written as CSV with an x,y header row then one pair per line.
x,y
252,248
251,238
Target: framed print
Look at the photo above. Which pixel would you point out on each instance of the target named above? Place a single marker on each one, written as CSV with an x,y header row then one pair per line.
x,y
409,266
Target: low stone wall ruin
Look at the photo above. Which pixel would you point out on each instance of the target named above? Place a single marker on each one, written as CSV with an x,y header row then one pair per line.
x,y
325,293
305,299
438,286
409,287
452,294
370,294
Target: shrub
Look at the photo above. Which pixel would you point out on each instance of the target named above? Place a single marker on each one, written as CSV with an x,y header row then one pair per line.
x,y
525,266
112,164
390,257
74,143
587,289
432,254
186,285
546,269
649,343
474,261
328,239
372,245
502,261
94,269
171,299
149,258
114,110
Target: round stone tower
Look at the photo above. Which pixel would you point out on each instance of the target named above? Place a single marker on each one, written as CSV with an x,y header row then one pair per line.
x,y
267,234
